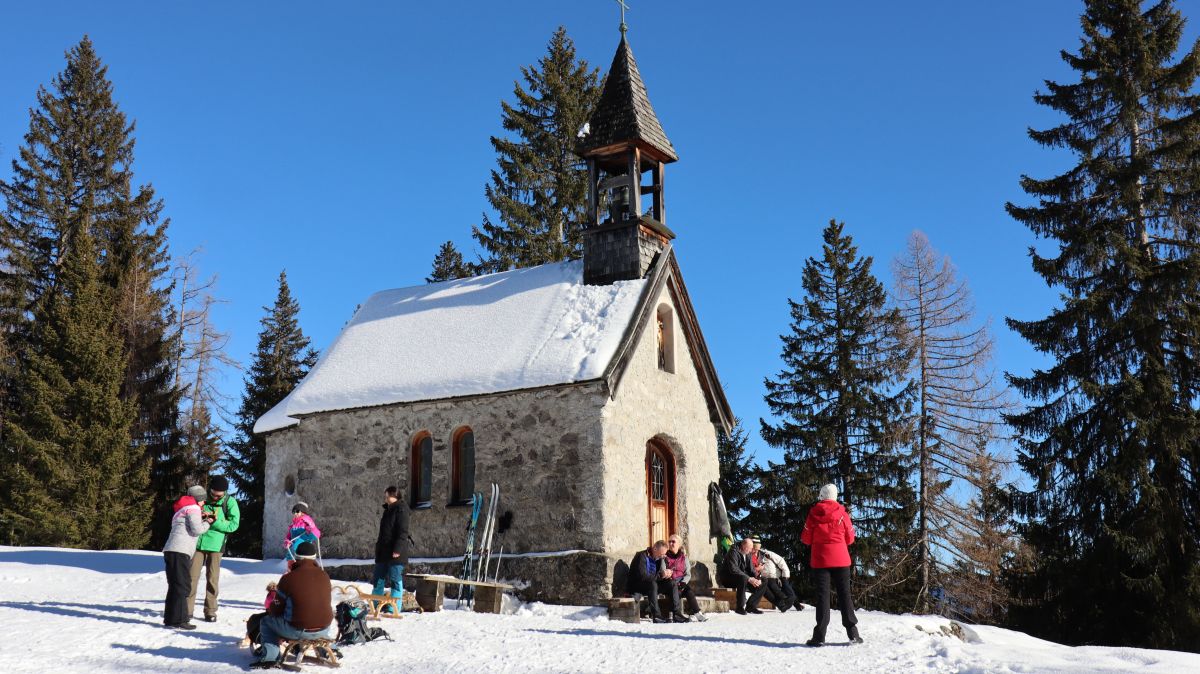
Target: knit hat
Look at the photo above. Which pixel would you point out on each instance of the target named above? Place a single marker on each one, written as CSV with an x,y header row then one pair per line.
x,y
828,493
300,507
197,492
756,540
218,483
306,550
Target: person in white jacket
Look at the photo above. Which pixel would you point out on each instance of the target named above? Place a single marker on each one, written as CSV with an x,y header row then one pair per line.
x,y
776,575
186,526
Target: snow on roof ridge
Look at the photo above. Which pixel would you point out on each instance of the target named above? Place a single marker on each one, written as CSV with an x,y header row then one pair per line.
x,y
513,330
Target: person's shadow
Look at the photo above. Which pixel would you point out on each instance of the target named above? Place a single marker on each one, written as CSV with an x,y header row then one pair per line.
x,y
592,632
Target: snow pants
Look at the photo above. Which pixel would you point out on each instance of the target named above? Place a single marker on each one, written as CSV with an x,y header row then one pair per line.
x,y
273,628
388,575
651,589
179,580
840,577
688,596
742,585
210,563
780,593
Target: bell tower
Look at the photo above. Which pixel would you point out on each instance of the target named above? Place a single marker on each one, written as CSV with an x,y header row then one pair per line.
x,y
626,151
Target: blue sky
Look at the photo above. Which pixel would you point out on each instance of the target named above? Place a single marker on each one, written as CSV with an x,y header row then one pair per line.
x,y
345,141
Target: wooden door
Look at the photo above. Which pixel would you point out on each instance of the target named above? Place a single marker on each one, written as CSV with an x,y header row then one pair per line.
x,y
660,486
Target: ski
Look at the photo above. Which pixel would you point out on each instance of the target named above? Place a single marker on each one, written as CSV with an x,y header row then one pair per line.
x,y
489,528
465,574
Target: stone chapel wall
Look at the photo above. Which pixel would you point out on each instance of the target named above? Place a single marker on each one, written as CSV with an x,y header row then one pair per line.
x,y
651,403
542,447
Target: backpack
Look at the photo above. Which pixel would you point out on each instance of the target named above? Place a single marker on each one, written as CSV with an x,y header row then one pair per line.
x,y
352,624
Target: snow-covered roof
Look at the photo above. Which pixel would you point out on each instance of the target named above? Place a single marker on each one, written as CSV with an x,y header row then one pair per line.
x,y
520,329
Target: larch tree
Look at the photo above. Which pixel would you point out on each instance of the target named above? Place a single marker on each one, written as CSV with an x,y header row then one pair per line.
x,y
842,408
538,189
985,547
1111,439
957,401
281,360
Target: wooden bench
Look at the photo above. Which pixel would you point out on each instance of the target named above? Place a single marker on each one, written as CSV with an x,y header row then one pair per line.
x,y
625,609
377,603
320,651
729,595
431,592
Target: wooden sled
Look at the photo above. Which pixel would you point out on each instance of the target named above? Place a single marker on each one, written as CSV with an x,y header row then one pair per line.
x,y
319,651
377,602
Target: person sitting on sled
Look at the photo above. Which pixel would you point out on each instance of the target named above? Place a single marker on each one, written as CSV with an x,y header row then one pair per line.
x,y
302,529
302,609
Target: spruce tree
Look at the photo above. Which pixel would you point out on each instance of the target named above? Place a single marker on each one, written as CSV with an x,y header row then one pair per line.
x,y
739,476
842,409
448,265
282,359
76,479
1112,437
539,187
75,173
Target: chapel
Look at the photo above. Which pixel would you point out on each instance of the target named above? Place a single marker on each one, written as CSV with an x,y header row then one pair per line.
x,y
583,389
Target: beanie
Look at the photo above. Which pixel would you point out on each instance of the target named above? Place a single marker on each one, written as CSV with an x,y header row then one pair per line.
x,y
300,507
306,550
828,493
218,483
197,492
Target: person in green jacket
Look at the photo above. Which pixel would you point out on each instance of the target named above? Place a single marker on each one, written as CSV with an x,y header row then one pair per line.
x,y
211,545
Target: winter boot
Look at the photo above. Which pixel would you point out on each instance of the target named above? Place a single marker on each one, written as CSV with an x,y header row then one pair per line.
x,y
852,633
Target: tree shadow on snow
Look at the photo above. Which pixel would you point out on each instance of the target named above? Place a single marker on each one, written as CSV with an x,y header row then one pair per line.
x,y
149,617
581,631
104,562
123,561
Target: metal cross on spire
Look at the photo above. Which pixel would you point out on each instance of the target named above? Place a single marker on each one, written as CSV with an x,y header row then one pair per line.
x,y
623,8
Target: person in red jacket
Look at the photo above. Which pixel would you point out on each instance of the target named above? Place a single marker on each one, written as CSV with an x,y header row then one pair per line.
x,y
828,531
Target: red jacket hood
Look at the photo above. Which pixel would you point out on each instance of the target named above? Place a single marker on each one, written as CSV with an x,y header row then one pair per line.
x,y
184,501
827,512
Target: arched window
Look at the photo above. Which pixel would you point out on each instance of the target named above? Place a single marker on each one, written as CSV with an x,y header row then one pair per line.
x,y
666,339
462,466
420,470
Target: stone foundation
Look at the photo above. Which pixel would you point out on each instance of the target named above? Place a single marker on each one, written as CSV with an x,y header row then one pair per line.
x,y
579,579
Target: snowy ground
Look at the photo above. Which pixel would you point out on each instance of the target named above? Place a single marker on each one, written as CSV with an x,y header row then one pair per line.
x,y
81,611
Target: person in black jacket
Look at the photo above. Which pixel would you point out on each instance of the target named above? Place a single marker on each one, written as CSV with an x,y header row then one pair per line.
x,y
737,572
648,576
392,546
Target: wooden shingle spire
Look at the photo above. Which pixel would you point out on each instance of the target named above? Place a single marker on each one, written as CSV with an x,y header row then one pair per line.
x,y
624,116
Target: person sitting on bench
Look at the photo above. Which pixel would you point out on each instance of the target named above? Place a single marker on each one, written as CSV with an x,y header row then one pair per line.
x,y
302,610
677,561
738,573
776,575
648,576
